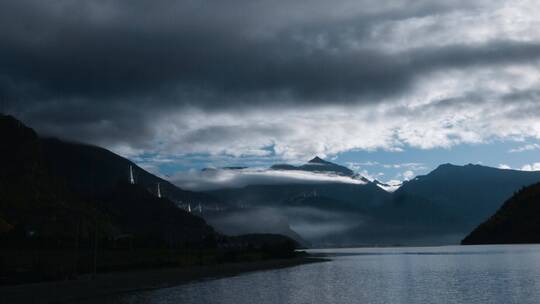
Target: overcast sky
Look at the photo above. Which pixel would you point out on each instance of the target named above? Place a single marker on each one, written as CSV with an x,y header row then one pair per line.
x,y
389,88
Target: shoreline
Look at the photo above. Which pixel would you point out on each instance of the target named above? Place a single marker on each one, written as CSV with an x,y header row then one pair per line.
x,y
107,284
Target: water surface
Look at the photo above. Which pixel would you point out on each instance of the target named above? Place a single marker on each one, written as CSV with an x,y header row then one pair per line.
x,y
454,274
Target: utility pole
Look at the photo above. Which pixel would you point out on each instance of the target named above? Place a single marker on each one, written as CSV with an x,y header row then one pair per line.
x,y
95,246
76,247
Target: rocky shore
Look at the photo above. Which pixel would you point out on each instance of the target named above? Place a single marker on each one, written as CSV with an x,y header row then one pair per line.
x,y
90,288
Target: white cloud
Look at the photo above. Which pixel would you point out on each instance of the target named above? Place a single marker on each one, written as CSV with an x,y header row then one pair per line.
x,y
394,182
219,178
504,166
469,104
407,175
391,186
528,147
473,24
371,176
531,167
357,166
444,110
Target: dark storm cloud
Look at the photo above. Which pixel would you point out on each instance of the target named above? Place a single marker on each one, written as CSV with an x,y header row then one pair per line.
x,y
89,66
66,52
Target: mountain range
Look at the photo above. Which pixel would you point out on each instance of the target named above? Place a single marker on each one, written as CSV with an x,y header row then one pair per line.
x,y
437,208
41,175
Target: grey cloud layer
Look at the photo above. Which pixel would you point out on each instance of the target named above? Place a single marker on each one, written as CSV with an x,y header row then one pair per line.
x,y
59,54
106,71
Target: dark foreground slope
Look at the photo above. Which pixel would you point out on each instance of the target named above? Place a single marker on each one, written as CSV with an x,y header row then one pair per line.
x,y
57,224
33,201
153,219
49,230
516,222
39,200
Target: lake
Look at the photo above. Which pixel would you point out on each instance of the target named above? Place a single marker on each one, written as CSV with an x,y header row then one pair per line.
x,y
450,274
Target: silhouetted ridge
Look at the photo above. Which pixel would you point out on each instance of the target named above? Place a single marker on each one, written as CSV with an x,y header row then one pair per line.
x,y
32,199
90,169
517,221
48,187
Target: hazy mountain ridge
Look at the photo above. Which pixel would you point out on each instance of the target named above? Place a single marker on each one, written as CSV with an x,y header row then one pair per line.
x,y
444,204
472,192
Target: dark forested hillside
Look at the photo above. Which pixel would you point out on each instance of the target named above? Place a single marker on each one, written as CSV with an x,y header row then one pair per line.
x,y
33,201
517,221
50,188
153,219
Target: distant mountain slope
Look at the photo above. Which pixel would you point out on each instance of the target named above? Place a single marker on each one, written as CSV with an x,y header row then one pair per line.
x,y
358,195
437,208
344,196
468,194
91,169
517,221
322,213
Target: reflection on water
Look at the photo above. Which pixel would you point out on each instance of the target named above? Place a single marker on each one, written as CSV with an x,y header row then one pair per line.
x,y
470,274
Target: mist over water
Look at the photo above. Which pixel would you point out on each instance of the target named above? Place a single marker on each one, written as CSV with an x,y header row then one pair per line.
x,y
453,274
308,223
